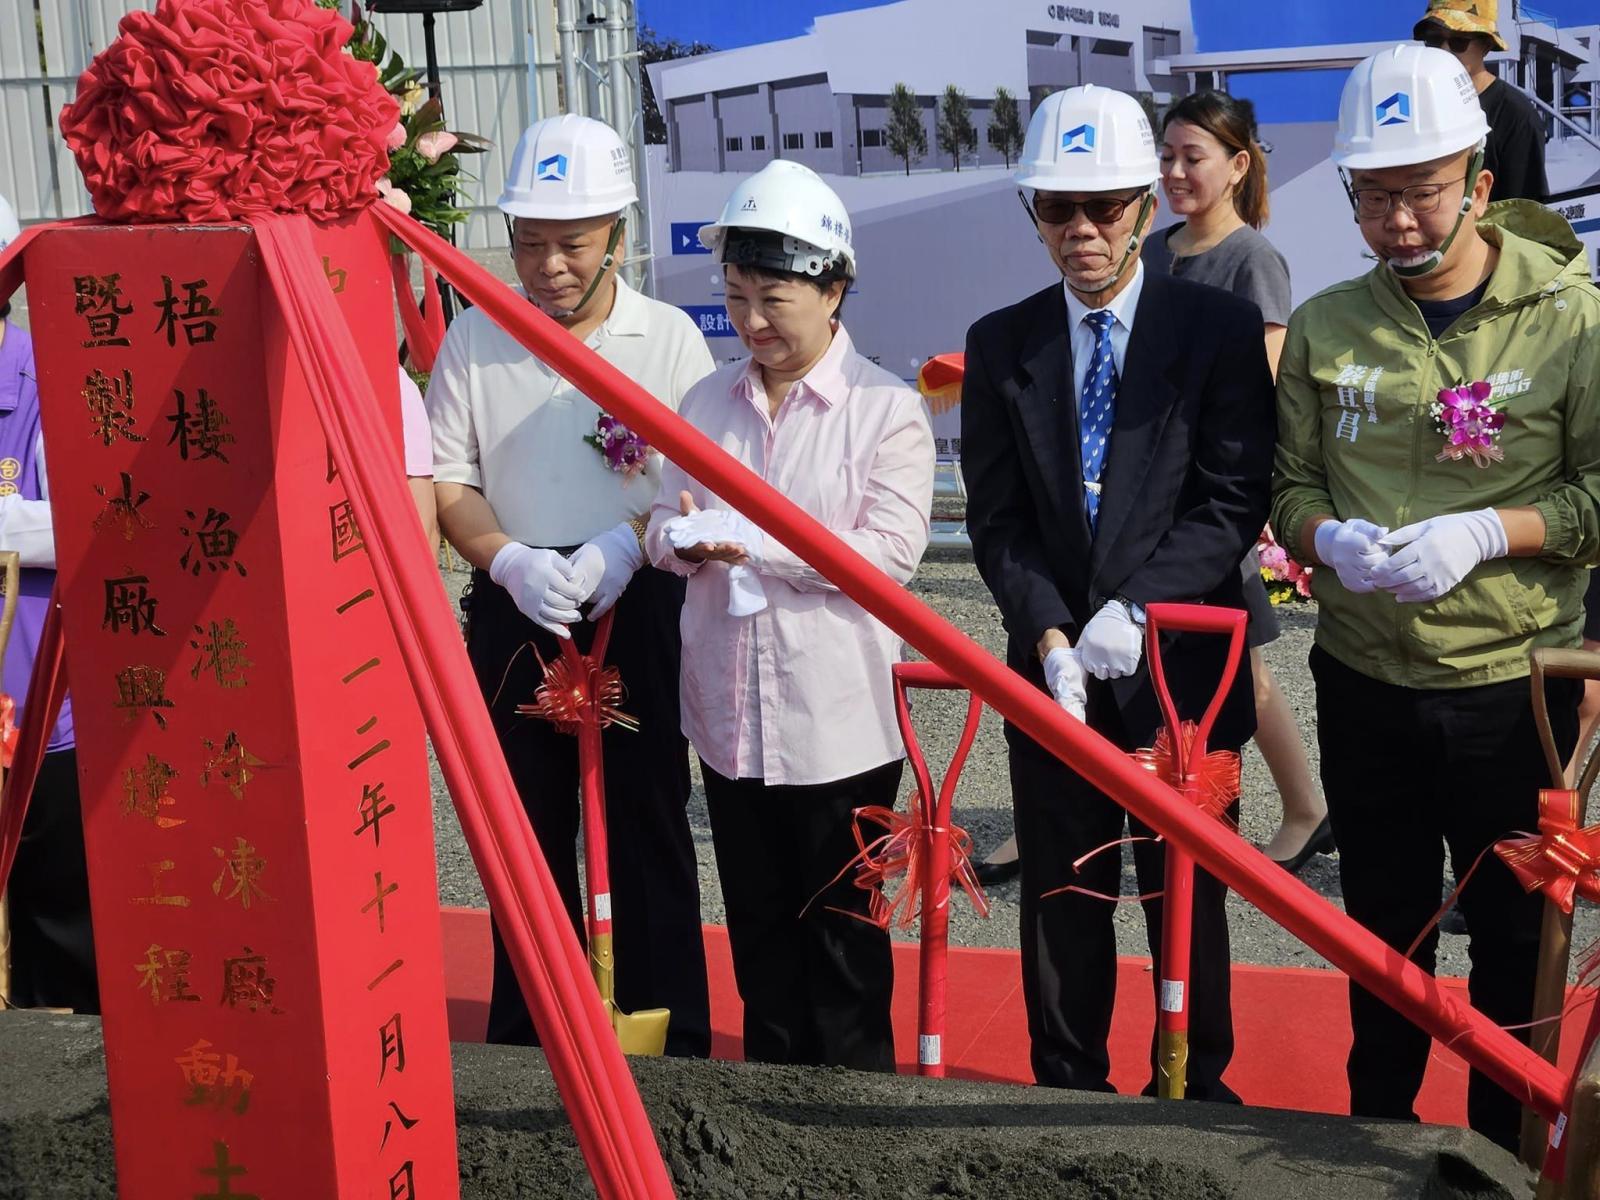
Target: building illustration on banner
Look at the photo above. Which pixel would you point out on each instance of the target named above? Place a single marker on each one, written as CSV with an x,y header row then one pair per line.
x,y
939,246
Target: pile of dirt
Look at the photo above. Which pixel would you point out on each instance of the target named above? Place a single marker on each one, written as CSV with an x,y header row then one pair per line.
x,y
731,1131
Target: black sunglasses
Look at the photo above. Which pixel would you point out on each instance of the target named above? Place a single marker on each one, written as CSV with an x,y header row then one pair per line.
x,y
1050,209
1456,43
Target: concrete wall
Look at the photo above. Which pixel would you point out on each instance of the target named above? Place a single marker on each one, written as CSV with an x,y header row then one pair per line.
x,y
692,132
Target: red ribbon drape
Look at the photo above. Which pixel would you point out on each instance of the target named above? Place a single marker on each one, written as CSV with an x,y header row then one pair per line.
x,y
612,1128
424,327
1563,861
1216,779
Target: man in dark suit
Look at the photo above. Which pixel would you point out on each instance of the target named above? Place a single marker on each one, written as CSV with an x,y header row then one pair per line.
x,y
1117,438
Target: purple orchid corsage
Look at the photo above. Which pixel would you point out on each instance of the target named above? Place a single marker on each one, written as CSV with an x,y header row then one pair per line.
x,y
1470,424
624,450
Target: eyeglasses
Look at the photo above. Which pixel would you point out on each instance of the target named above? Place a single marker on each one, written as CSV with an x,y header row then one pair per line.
x,y
1419,199
1050,209
1458,43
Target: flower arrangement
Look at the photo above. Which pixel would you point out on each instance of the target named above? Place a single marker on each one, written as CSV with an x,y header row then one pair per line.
x,y
1287,581
425,172
624,451
1470,424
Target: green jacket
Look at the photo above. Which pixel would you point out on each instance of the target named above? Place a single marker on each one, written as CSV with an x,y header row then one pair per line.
x,y
1356,438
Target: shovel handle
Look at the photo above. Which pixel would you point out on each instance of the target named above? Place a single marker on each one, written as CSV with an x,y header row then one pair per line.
x,y
597,648
1548,662
1192,618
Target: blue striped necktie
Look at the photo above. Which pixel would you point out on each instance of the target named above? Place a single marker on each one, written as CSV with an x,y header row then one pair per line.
x,y
1096,409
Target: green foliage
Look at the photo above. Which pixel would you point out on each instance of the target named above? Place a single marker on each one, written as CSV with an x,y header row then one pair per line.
x,y
1005,125
430,177
956,131
904,134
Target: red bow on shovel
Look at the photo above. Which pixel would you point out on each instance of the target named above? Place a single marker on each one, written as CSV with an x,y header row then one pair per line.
x,y
8,730
580,695
1563,861
897,854
1214,784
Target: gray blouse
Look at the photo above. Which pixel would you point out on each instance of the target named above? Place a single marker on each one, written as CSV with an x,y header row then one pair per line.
x,y
1243,263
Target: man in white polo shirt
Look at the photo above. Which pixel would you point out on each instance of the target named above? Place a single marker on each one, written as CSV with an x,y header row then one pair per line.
x,y
547,500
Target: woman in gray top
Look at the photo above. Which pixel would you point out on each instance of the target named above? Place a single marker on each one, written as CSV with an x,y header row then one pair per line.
x,y
1214,176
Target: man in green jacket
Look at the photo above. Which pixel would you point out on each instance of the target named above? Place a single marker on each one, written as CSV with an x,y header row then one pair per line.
x,y
1439,455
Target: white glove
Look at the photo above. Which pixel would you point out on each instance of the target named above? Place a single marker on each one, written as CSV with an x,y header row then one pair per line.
x,y
541,584
746,596
716,525
1112,642
1430,557
1063,672
1351,548
603,565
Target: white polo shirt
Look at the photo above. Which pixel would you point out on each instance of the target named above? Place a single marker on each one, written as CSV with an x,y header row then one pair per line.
x,y
506,424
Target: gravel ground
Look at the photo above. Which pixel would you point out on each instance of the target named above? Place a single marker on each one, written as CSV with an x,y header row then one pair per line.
x,y
950,585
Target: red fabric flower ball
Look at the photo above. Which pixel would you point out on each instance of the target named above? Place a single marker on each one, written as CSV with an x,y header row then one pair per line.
x,y
211,110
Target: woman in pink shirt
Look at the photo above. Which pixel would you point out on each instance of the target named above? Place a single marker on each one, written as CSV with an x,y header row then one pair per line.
x,y
786,685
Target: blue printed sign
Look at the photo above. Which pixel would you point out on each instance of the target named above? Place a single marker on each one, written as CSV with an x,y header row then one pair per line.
x,y
712,319
686,237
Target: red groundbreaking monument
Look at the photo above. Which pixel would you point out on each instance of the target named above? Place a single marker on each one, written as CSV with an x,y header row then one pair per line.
x,y
256,790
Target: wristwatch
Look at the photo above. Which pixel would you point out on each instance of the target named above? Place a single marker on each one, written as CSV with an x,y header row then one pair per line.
x,y
1133,610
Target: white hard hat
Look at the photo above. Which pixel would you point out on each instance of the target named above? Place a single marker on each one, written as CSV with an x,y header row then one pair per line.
x,y
566,168
10,231
791,200
1407,105
1088,139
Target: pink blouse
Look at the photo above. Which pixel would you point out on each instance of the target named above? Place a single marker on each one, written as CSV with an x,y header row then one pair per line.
x,y
801,692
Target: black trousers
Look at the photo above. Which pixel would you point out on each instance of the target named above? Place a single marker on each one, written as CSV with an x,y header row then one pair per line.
x,y
816,988
655,887
1069,945
1408,772
52,936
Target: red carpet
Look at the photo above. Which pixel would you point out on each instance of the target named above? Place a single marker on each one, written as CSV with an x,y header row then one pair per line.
x,y
1292,1024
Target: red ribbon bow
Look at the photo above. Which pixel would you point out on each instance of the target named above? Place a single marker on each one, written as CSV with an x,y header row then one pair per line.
x,y
1216,777
1563,861
569,701
896,854
8,730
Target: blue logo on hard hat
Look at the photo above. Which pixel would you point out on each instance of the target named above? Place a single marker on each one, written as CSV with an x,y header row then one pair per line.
x,y
1396,110
554,167
1078,141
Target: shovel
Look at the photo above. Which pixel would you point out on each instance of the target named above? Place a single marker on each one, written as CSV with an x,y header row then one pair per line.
x,y
1177,921
641,1032
1555,936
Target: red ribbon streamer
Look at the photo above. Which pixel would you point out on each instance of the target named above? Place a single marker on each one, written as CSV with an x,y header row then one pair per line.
x,y
1563,861
1215,782
424,327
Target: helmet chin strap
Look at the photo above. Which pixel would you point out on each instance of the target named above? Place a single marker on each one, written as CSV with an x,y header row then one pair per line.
x,y
1134,240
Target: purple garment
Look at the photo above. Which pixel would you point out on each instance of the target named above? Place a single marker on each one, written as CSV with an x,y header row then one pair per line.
x,y
19,470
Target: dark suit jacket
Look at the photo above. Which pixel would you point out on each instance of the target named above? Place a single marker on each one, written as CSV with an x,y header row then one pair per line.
x,y
1185,486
